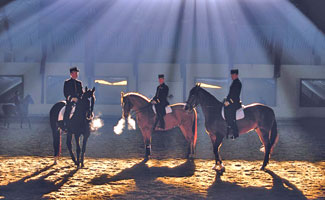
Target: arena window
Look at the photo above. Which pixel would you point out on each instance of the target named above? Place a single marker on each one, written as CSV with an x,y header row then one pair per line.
x,y
108,89
312,92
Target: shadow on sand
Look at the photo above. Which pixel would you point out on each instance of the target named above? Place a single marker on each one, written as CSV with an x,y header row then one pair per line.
x,y
281,189
36,188
141,172
148,187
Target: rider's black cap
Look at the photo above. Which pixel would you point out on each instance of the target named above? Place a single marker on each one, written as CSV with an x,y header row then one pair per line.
x,y
74,69
161,76
234,71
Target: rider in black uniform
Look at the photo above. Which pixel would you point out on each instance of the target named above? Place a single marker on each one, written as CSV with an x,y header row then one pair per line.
x,y
160,101
72,91
232,102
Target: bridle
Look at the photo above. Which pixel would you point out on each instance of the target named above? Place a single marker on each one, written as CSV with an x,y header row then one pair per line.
x,y
136,111
91,106
190,103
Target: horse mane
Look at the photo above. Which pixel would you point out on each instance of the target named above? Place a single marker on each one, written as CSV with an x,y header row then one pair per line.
x,y
137,94
210,97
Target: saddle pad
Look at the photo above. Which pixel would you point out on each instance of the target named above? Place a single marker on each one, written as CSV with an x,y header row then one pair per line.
x,y
61,113
168,109
239,113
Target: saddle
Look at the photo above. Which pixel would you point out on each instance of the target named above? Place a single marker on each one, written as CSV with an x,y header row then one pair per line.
x,y
61,113
167,108
239,113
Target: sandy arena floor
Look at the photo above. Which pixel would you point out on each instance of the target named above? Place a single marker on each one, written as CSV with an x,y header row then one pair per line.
x,y
114,168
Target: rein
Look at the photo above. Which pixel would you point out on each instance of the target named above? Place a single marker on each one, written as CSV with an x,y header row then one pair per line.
x,y
140,109
144,107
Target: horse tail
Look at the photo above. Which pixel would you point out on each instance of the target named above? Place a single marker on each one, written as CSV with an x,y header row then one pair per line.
x,y
56,133
274,137
194,127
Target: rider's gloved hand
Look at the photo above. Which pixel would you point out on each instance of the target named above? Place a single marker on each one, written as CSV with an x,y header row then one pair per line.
x,y
74,99
90,115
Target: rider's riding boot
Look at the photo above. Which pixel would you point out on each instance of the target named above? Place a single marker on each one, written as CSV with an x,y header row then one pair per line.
x,y
161,122
235,130
66,117
228,131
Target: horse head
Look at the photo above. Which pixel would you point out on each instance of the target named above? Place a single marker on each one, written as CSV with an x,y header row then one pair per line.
x,y
193,99
133,101
88,98
126,105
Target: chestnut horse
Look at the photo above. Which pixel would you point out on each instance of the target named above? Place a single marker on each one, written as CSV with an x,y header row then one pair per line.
x,y
145,116
258,117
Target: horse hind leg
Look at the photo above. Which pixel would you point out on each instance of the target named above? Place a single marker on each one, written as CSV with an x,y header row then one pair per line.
x,y
187,132
264,137
56,143
8,122
29,124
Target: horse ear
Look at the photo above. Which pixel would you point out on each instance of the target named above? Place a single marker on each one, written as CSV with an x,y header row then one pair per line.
x,y
86,89
122,96
199,84
94,89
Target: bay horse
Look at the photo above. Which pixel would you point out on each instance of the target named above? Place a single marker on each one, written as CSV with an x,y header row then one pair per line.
x,y
78,125
145,116
258,117
20,111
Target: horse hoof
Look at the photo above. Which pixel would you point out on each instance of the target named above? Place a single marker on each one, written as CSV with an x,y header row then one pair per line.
x,y
219,169
147,157
262,168
56,160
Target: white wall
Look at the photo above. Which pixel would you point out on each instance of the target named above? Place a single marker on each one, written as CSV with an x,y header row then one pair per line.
x,y
287,93
288,85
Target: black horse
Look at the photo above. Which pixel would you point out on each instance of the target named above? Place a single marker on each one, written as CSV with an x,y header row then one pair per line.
x,y
78,125
19,111
258,117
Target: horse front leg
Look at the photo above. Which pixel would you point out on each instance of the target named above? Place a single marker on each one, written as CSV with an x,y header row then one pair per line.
x,y
29,124
78,149
84,144
216,143
21,122
146,133
69,144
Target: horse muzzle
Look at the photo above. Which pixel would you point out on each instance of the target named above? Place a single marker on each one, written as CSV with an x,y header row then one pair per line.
x,y
188,107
